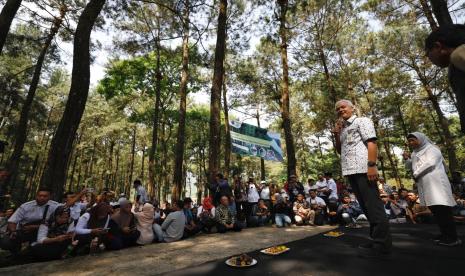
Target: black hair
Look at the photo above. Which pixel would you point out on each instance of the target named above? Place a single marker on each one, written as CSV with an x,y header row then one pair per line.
x,y
137,182
44,189
187,200
179,204
220,175
329,174
451,35
67,194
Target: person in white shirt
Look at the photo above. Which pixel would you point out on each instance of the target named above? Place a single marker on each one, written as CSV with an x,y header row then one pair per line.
x,y
76,207
318,205
322,187
331,187
309,186
26,220
265,194
93,224
252,196
141,193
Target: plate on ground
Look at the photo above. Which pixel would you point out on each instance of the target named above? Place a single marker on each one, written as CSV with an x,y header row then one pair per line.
x,y
269,251
333,234
231,262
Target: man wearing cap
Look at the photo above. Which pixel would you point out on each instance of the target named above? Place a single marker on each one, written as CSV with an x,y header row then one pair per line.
x,y
356,142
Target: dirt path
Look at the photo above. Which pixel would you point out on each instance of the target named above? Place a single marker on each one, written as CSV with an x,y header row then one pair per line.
x,y
161,258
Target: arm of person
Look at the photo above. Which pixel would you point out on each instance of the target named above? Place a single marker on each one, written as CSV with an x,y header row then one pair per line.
x,y
76,198
372,157
457,58
16,218
429,159
81,226
167,222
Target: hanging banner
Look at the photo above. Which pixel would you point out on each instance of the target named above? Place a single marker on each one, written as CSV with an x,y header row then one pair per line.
x,y
254,141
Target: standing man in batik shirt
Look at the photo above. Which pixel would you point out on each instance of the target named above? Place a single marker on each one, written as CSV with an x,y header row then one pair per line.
x,y
356,142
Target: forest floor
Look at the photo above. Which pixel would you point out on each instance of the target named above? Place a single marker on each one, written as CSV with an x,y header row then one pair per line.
x,y
162,257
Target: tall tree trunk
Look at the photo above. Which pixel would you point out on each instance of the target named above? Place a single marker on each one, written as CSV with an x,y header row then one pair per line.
x,y
142,166
428,14
133,153
227,130
262,161
180,138
285,102
215,98
441,12
21,128
54,176
6,17
156,119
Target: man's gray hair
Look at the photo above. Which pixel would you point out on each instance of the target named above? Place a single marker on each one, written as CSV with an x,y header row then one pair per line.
x,y
349,103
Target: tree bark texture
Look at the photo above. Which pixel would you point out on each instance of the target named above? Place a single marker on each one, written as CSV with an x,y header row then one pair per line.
x,y
285,102
180,138
6,17
54,175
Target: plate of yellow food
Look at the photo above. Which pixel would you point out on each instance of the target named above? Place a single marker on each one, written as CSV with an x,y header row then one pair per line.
x,y
275,250
241,261
334,234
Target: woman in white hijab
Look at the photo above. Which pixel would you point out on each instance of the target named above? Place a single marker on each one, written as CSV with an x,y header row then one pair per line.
x,y
434,188
144,224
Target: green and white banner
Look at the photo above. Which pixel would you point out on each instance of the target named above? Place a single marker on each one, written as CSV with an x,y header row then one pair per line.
x,y
254,141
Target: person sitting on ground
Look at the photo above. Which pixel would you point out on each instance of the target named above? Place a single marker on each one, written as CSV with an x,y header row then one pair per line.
x,y
4,216
144,222
416,213
260,214
318,205
331,191
397,207
387,207
225,219
281,212
349,212
383,187
302,212
191,229
341,187
172,228
123,230
93,226
26,220
206,215
54,236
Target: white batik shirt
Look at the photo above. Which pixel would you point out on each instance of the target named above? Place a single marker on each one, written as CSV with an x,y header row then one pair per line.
x,y
354,152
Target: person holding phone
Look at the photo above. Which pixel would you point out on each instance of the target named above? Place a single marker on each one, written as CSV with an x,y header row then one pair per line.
x,y
93,224
356,142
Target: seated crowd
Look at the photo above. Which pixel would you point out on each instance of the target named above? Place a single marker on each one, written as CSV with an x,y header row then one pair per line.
x,y
87,223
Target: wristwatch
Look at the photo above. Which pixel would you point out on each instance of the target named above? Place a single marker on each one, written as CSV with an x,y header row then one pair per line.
x,y
371,164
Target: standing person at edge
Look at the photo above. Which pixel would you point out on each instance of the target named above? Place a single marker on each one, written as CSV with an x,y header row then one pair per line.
x,y
445,47
141,194
356,142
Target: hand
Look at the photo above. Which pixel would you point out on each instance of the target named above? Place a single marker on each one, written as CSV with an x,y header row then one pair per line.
x,y
406,155
97,231
372,173
229,226
13,235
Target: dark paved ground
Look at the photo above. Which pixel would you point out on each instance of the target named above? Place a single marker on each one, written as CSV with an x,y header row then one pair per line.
x,y
413,254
